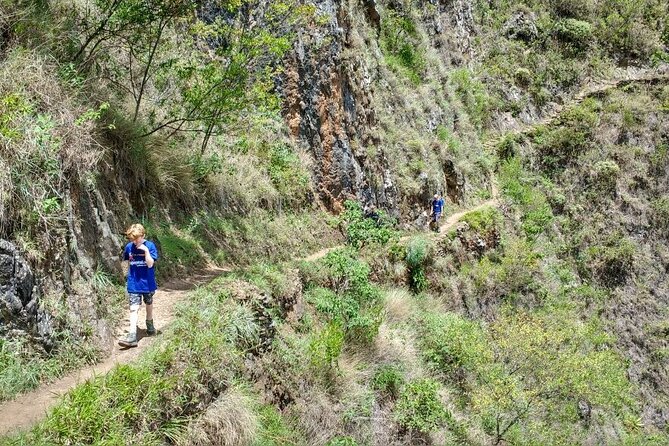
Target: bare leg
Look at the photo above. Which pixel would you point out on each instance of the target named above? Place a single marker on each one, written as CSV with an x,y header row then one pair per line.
x,y
134,314
149,312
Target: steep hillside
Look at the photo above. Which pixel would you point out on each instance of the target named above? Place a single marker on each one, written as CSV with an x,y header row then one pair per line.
x,y
252,133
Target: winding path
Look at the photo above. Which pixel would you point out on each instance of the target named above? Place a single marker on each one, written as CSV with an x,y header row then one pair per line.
x,y
30,408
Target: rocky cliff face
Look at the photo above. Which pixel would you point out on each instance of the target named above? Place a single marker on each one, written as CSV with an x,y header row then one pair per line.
x,y
327,91
344,104
19,306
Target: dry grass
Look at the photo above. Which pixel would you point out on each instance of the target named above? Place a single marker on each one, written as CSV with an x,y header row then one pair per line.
x,y
43,141
399,305
33,77
229,421
245,185
395,346
318,416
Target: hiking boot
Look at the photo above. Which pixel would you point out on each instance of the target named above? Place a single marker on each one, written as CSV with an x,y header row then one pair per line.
x,y
129,340
150,329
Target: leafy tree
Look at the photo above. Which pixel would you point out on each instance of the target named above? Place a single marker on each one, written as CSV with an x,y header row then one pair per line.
x,y
525,364
201,67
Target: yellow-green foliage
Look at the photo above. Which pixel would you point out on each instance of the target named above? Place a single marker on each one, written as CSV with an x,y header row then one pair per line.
x,y
506,276
418,407
483,221
526,364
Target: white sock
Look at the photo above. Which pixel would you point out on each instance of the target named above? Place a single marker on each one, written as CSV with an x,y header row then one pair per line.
x,y
134,315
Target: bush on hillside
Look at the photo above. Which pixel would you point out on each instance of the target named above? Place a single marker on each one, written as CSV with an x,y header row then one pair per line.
x,y
363,230
418,255
562,145
606,175
454,343
419,408
626,31
576,33
402,44
326,346
577,9
388,380
660,213
351,300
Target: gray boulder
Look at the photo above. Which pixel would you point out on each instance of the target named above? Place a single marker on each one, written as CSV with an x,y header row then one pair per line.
x,y
19,297
521,26
17,284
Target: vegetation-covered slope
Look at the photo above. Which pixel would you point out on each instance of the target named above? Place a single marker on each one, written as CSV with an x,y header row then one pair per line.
x,y
228,127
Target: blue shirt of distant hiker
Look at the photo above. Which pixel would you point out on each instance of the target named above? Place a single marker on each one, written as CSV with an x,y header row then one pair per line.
x,y
438,206
141,278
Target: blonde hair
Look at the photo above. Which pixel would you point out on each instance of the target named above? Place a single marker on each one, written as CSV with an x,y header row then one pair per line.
x,y
135,231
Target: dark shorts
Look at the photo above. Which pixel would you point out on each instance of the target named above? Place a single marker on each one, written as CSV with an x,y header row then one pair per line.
x,y
436,216
136,298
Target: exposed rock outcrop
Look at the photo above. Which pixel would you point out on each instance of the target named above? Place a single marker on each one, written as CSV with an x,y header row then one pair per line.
x,y
328,109
521,26
20,295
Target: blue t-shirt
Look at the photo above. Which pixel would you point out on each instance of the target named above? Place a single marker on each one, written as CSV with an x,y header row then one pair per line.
x,y
141,278
437,205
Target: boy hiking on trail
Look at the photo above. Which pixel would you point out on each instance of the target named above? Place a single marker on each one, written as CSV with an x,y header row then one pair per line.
x,y
437,207
141,255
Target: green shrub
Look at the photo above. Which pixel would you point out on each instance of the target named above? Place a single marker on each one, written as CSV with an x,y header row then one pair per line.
x,y
352,301
606,174
562,145
473,94
418,407
361,230
574,32
446,136
537,214
287,174
523,77
626,31
659,159
326,346
388,380
612,260
418,252
578,9
402,45
533,373
451,341
483,221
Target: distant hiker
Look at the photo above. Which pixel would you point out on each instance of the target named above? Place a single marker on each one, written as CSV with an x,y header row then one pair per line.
x,y
437,208
141,255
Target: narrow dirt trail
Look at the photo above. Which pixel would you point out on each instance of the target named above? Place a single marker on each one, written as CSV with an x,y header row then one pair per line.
x,y
30,408
621,77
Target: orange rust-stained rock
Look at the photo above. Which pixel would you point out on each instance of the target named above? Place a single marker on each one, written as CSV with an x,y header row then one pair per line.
x,y
292,102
